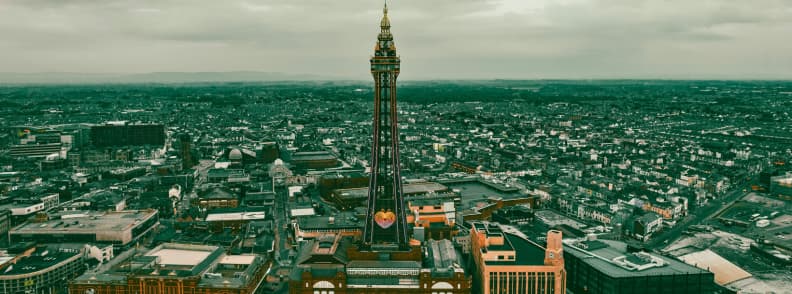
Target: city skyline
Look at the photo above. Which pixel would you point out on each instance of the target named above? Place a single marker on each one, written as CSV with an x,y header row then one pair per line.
x,y
293,173
444,39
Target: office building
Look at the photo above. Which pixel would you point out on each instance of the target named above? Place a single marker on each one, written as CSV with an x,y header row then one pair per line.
x,y
35,150
612,267
123,133
508,262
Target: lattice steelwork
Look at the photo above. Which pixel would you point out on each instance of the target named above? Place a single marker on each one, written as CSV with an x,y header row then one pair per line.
x,y
386,225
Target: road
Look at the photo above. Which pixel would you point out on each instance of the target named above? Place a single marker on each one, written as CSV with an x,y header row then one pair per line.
x,y
697,217
202,168
281,222
282,248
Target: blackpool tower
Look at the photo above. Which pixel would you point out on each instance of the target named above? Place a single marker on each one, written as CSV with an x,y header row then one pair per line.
x,y
386,225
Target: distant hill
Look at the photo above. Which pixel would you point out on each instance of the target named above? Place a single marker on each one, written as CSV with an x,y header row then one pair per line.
x,y
154,77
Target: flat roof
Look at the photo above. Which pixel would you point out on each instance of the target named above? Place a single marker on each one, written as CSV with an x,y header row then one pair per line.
x,y
390,264
212,267
235,216
603,258
725,271
170,256
238,259
408,189
526,252
88,222
307,211
340,220
472,191
316,155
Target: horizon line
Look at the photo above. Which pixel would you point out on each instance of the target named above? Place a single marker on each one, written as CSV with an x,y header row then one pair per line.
x,y
17,78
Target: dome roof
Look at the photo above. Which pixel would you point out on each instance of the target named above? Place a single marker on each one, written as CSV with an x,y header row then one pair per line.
x,y
235,154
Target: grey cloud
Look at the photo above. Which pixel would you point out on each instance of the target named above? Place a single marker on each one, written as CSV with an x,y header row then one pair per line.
x,y
437,39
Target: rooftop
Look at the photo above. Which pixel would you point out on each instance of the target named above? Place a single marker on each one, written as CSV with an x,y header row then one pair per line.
x,y
725,271
168,256
314,155
238,259
41,259
341,220
87,222
444,258
783,180
526,252
379,264
614,259
234,216
210,263
408,189
217,193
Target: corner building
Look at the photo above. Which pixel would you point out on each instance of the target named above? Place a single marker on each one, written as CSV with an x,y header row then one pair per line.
x,y
508,263
613,267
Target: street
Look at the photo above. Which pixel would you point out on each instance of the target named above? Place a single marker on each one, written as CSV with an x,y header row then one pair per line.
x,y
697,217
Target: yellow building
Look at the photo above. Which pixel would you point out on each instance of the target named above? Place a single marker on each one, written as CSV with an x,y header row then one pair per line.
x,y
507,262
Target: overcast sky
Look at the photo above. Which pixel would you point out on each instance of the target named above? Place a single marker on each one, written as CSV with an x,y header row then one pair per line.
x,y
437,39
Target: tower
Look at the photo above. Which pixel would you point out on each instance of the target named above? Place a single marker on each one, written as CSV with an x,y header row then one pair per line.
x,y
186,151
386,225
554,251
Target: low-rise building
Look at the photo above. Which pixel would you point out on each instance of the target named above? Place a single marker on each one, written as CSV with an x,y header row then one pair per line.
x,y
613,267
314,160
332,264
667,209
41,269
176,268
436,217
312,227
217,197
120,228
233,218
642,227
781,186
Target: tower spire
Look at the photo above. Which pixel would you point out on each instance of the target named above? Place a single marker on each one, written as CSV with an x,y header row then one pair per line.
x,y
385,23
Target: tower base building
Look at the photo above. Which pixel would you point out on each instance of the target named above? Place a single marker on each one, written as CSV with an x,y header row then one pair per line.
x,y
333,265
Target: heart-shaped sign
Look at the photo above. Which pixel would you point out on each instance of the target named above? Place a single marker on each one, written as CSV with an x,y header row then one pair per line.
x,y
385,219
